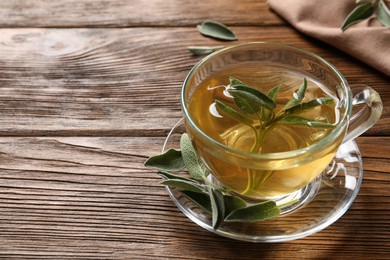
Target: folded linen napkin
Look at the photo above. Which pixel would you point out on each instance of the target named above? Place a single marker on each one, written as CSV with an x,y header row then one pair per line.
x,y
368,40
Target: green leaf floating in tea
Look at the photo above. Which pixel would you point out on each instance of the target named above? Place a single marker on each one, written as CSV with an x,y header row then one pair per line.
x,y
297,96
301,121
250,99
233,113
302,107
252,108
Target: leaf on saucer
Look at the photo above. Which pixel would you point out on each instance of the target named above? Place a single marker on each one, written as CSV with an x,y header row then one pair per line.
x,y
170,176
201,199
232,203
183,185
258,212
171,160
383,14
203,50
358,14
216,30
301,121
194,166
217,207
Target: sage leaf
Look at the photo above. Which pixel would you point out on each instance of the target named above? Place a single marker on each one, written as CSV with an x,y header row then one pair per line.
x,y
201,199
194,166
259,97
258,212
203,50
170,176
267,114
183,185
171,160
308,105
234,81
358,14
232,203
383,14
301,121
216,30
245,102
297,96
273,92
217,207
232,113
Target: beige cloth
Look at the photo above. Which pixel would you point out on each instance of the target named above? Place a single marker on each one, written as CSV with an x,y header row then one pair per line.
x,y
368,41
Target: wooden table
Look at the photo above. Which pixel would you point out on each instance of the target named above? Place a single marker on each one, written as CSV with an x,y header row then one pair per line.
x,y
89,89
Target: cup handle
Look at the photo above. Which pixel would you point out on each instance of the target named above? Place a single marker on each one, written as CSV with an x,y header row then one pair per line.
x,y
368,115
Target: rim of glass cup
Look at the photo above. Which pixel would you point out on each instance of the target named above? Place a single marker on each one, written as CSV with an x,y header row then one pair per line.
x,y
280,155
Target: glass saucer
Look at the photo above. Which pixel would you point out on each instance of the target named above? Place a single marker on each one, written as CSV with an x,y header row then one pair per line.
x,y
338,187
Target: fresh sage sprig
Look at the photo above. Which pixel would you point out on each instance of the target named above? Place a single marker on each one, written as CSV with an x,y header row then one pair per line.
x,y
257,110
251,101
215,200
366,9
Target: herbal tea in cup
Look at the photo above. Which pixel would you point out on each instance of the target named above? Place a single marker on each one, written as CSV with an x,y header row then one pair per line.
x,y
267,119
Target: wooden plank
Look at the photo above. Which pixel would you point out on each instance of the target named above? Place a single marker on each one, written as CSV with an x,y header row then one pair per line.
x,y
87,197
122,82
129,13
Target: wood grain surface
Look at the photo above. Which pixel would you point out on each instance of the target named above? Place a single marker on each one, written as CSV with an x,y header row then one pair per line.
x,y
92,197
133,13
116,81
89,90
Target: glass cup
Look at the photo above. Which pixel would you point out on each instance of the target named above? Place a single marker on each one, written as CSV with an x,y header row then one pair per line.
x,y
286,174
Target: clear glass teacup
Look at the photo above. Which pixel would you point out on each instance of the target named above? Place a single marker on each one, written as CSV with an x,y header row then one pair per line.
x,y
277,174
